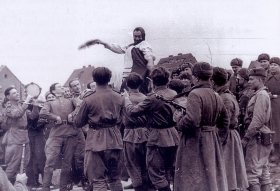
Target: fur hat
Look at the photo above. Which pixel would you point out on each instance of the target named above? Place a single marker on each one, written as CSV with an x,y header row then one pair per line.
x,y
185,75
236,62
202,70
176,85
220,76
263,56
275,60
186,65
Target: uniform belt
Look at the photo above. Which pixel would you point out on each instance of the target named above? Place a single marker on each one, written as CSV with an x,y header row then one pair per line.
x,y
161,127
207,128
133,127
65,122
97,127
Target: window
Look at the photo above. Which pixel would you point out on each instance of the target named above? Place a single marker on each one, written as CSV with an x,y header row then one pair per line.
x,y
6,76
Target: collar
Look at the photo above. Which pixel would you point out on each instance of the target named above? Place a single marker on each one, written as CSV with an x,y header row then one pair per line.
x,y
76,95
223,89
246,87
102,87
60,97
202,84
262,88
158,88
16,103
276,76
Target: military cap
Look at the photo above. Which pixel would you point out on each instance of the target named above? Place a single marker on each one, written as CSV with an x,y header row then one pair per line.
x,y
275,60
263,56
236,62
259,71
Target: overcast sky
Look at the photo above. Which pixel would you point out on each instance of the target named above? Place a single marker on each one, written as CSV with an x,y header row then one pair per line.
x,y
40,39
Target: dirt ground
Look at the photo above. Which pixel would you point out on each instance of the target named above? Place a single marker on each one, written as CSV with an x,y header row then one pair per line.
x,y
274,164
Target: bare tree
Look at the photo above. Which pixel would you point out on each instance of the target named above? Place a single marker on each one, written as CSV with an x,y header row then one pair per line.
x,y
209,49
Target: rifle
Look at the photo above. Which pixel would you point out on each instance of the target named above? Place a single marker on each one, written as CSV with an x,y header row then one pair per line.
x,y
237,89
241,126
171,102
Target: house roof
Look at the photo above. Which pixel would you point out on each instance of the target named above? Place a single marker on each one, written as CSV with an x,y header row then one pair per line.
x,y
84,75
172,62
4,66
1,67
254,64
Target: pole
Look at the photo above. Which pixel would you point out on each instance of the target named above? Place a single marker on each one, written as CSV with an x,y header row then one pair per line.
x,y
22,159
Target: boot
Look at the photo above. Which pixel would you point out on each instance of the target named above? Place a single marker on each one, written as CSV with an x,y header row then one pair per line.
x,y
84,181
142,187
265,187
64,180
166,188
255,187
38,184
47,181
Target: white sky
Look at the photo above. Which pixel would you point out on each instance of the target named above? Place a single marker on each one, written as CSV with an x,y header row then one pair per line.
x,y
40,39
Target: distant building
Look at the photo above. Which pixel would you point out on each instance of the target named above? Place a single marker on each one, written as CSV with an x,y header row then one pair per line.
x,y
173,62
8,79
254,64
84,75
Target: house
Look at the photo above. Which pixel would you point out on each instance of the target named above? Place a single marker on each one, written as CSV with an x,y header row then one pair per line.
x,y
254,64
173,62
84,75
8,79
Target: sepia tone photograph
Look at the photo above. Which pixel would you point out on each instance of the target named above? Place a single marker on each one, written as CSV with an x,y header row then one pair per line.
x,y
140,95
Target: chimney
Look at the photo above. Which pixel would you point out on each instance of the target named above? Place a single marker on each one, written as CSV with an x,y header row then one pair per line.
x,y
180,54
89,66
84,67
170,56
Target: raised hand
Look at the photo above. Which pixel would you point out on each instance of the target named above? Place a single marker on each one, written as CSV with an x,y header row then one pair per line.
x,y
90,43
28,98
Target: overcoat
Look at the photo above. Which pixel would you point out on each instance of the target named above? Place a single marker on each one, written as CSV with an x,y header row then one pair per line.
x,y
233,152
200,162
272,83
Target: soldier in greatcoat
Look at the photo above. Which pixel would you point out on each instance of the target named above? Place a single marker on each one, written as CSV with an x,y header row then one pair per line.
x,y
200,162
233,153
272,83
